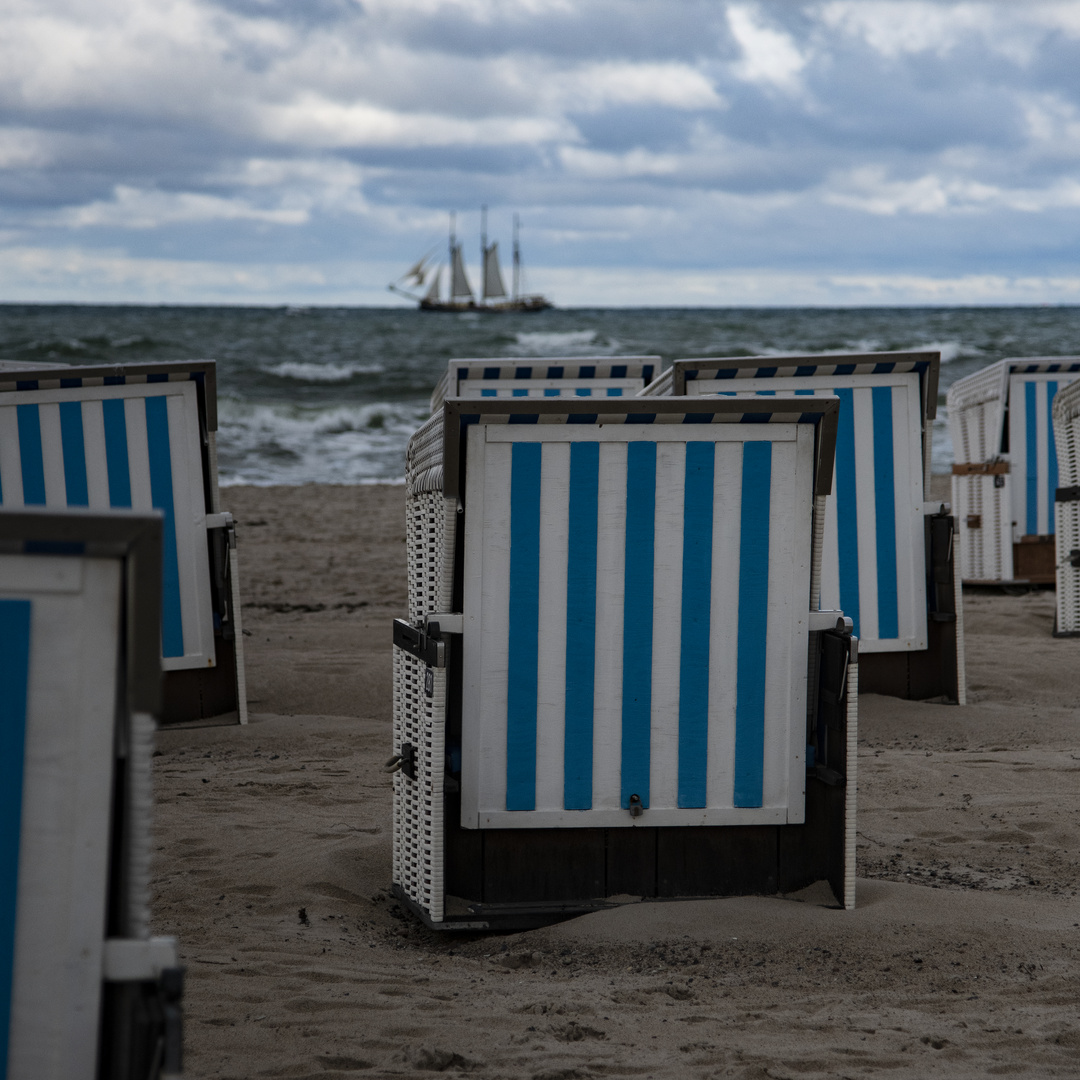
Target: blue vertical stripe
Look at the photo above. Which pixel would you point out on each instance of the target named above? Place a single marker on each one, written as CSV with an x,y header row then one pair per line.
x,y
581,624
116,452
161,497
14,682
885,513
638,619
847,510
71,441
33,466
695,626
1051,453
524,626
753,623
1031,472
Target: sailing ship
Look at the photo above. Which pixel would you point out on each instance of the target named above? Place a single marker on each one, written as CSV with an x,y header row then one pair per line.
x,y
493,294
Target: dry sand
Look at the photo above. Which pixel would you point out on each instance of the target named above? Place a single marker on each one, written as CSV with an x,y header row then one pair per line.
x,y
273,868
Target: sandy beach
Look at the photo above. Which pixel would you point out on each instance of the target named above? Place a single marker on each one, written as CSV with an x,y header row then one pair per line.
x,y
273,855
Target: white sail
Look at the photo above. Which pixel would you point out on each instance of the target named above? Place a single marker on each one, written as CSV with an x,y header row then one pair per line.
x,y
433,288
459,283
493,282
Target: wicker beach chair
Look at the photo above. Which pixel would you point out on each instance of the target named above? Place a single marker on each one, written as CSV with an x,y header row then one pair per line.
x,y
85,991
142,437
602,685
1005,469
888,553
538,377
1066,411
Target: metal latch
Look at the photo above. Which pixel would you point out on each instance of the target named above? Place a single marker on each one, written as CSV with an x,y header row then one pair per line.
x,y
428,647
635,807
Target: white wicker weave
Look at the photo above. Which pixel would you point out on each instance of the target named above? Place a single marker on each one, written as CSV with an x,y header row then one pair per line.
x,y
419,719
1067,512
851,767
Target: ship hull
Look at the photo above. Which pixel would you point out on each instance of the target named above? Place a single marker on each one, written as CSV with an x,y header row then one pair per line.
x,y
524,304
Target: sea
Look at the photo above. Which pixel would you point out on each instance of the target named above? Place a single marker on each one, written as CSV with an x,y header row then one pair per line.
x,y
331,395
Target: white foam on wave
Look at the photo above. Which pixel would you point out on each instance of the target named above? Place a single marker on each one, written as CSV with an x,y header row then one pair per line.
x,y
550,343
290,444
305,371
950,350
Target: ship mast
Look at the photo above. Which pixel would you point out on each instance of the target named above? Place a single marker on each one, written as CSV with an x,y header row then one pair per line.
x,y
517,260
483,253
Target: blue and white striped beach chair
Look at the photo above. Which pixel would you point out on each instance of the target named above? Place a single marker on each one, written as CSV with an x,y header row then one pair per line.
x,y
875,555
140,437
1005,469
602,685
1067,509
542,377
84,989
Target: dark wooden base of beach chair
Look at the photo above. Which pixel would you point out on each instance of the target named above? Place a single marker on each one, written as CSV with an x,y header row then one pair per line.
x,y
202,693
519,879
933,672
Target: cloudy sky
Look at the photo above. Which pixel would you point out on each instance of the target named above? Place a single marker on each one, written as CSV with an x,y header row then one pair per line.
x,y
658,151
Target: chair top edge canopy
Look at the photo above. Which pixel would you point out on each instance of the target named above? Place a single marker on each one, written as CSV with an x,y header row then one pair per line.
x,y
134,536
459,414
50,376
925,363
554,367
1067,402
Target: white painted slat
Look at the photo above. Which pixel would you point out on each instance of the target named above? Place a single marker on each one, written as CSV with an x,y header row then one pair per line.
x,y
787,603
138,453
11,486
551,654
724,624
610,568
52,456
667,619
97,468
910,526
495,626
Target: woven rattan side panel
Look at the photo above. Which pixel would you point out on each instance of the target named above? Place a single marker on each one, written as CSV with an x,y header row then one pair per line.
x,y
419,724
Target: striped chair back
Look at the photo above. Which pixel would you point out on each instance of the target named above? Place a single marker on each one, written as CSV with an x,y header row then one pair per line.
x,y
873,561
129,439
1005,469
622,376
635,594
1034,458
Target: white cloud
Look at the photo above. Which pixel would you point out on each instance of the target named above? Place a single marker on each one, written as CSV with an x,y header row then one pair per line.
x,y
869,190
131,208
897,27
597,86
769,56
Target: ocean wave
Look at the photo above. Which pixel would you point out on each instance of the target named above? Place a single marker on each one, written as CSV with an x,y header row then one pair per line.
x,y
551,343
340,444
305,371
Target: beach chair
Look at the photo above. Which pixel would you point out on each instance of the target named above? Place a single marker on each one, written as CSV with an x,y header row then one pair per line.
x,y
141,436
614,679
85,991
1005,468
1066,410
887,551
579,376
